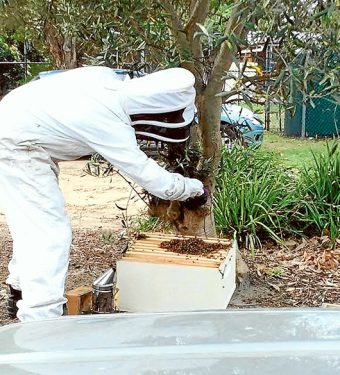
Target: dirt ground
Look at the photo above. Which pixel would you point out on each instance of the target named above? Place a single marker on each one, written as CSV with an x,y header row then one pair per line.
x,y
301,273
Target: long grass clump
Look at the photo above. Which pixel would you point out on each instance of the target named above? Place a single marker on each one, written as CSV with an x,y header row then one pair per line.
x,y
319,189
255,196
258,197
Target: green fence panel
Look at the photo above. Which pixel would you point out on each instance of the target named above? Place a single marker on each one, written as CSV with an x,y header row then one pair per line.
x,y
293,116
321,119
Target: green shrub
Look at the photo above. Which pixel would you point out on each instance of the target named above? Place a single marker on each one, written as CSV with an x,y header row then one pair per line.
x,y
319,188
255,196
144,223
10,74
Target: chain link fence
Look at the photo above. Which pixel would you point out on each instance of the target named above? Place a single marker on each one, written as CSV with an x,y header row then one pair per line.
x,y
320,118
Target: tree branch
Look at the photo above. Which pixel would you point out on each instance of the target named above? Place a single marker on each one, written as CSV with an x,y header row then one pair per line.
x,y
176,26
198,15
189,47
225,56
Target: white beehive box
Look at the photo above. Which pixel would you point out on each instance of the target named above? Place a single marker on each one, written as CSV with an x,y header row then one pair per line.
x,y
150,279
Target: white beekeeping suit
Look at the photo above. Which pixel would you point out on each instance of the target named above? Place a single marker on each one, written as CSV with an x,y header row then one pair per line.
x,y
63,117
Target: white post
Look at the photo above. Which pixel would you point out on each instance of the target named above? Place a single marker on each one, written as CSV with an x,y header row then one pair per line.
x,y
142,60
303,117
304,101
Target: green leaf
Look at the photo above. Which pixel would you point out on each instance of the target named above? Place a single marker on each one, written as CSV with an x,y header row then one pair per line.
x,y
203,29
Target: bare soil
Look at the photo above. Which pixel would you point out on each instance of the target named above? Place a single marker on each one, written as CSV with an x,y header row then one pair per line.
x,y
301,273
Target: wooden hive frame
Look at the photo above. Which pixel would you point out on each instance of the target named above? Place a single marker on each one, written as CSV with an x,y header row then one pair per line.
x,y
150,279
148,250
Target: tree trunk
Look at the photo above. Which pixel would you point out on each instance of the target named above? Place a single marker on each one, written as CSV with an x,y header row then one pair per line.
x,y
69,52
62,48
208,103
191,223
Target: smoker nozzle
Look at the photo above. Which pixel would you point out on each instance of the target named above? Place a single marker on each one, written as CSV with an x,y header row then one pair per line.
x,y
106,280
102,294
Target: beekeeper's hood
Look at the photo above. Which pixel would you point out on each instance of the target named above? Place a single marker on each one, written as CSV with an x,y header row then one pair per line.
x,y
161,105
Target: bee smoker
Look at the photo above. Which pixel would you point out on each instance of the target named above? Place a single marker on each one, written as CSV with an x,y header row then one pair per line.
x,y
102,293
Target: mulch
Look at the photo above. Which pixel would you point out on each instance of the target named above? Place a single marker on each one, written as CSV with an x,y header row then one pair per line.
x,y
300,273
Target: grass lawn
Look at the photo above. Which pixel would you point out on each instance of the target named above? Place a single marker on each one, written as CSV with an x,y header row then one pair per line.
x,y
295,152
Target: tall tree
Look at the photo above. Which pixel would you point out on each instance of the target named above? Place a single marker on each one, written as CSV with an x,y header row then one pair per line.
x,y
67,31
206,37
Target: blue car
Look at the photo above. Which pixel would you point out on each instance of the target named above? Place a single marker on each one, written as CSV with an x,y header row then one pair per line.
x,y
240,124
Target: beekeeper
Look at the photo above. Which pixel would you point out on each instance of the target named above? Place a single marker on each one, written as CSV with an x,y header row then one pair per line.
x,y
63,117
